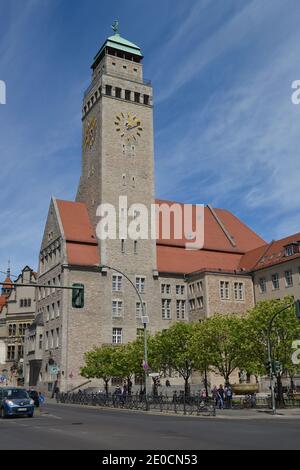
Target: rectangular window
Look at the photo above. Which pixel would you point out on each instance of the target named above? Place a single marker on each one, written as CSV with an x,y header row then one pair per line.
x,y
262,285
117,283
11,350
137,97
118,93
140,283
146,99
58,309
275,281
57,338
288,278
52,311
52,339
200,302
166,289
47,341
20,352
48,313
139,311
117,336
108,90
117,308
200,286
41,342
180,309
238,291
127,95
192,304
180,290
166,309
224,290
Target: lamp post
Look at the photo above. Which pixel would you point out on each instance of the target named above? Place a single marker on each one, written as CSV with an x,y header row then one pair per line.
x,y
145,318
270,359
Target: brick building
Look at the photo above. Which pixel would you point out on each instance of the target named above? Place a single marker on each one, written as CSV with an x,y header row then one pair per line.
x,y
176,283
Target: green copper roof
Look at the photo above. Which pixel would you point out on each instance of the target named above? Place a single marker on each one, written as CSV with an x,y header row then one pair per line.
x,y
121,44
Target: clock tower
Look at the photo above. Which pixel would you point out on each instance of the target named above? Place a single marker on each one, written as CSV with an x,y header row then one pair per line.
x,y
117,149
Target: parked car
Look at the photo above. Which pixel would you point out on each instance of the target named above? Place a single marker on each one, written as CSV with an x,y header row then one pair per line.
x,y
15,402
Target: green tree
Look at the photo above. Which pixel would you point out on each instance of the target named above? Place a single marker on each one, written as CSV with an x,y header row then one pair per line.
x,y
128,360
100,364
216,345
171,350
285,330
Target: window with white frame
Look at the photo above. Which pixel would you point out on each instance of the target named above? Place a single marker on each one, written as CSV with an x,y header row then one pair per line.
x,y
166,289
166,309
140,283
180,309
262,285
224,290
275,281
117,336
180,290
239,291
200,286
138,309
288,278
200,302
192,289
117,283
52,339
57,338
117,308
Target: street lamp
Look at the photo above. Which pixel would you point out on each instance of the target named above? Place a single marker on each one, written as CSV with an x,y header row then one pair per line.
x,y
270,360
145,318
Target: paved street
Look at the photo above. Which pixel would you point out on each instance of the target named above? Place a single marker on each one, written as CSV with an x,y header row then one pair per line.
x,y
78,428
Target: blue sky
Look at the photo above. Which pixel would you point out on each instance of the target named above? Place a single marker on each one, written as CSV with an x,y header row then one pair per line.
x,y
226,131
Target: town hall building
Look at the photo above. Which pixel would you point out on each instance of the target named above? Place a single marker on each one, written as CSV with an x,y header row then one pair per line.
x,y
175,283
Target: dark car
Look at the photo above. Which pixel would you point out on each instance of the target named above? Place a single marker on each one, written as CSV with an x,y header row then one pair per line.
x,y
35,397
15,402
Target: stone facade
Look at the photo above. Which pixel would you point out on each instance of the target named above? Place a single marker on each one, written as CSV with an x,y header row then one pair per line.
x,y
15,317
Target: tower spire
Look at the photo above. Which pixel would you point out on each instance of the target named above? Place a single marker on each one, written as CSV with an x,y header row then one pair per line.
x,y
115,27
8,268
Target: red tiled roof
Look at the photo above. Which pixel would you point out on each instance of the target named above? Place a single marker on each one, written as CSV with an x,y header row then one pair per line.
x,y
222,232
269,255
179,260
82,245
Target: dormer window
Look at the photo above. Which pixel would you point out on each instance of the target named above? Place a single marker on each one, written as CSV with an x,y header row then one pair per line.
x,y
291,249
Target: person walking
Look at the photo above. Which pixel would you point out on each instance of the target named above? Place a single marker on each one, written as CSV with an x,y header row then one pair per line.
x,y
228,396
221,397
41,401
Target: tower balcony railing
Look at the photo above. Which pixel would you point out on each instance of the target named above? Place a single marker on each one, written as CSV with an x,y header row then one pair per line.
x,y
142,81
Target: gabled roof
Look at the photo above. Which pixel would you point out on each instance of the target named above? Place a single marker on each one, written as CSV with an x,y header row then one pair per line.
x,y
271,254
82,244
223,231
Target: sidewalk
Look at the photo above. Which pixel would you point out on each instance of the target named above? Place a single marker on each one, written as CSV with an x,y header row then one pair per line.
x,y
245,414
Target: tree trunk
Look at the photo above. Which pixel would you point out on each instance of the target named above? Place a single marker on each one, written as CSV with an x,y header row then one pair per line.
x,y
106,386
206,382
186,387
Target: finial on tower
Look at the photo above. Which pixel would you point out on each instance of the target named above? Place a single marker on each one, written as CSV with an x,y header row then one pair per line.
x,y
8,268
115,27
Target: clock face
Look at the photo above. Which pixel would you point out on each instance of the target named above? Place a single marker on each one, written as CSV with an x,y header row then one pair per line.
x,y
129,126
90,133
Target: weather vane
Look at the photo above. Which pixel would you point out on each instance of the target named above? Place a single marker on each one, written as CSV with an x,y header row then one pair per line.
x,y
115,27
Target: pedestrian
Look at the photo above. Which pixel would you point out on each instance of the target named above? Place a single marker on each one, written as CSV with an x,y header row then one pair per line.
x,y
228,396
221,397
215,395
41,401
